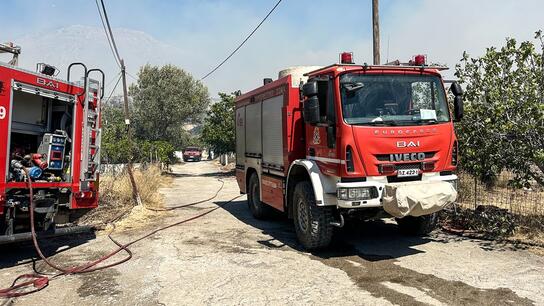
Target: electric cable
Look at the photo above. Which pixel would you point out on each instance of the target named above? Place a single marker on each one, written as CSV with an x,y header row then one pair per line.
x,y
115,50
113,90
243,42
115,56
112,79
133,77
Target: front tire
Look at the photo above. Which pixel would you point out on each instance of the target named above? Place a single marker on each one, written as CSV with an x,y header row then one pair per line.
x,y
312,223
418,226
258,209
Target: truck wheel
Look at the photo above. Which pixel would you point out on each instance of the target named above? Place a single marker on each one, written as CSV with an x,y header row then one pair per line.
x,y
312,222
258,209
418,226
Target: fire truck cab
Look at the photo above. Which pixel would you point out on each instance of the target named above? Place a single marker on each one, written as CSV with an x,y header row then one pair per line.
x,y
50,135
322,144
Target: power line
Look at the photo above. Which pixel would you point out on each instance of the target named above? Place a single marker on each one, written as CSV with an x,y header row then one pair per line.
x,y
133,77
106,32
113,90
112,80
109,30
243,42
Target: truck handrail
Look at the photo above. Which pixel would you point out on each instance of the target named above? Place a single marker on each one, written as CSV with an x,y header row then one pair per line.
x,y
84,78
103,79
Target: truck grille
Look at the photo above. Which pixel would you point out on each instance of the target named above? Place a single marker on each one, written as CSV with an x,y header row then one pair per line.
x,y
385,157
408,166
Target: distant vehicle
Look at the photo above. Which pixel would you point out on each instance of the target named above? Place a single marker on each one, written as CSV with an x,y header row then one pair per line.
x,y
192,153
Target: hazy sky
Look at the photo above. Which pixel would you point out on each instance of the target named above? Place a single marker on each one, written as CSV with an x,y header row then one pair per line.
x,y
197,34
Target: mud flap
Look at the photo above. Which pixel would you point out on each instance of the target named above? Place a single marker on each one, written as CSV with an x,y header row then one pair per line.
x,y
417,198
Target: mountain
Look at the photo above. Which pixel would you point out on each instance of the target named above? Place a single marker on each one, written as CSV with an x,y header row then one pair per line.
x,y
89,45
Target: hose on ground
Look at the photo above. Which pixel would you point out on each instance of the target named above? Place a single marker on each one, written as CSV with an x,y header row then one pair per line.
x,y
190,204
37,281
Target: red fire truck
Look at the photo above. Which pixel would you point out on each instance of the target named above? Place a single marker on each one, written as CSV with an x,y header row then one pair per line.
x,y
322,143
49,134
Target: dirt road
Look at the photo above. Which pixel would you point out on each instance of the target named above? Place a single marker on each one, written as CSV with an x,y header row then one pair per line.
x,y
227,257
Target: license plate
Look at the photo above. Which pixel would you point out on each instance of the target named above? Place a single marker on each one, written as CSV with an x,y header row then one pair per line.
x,y
407,172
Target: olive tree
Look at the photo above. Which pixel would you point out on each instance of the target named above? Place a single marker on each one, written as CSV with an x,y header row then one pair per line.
x,y
166,99
503,126
218,131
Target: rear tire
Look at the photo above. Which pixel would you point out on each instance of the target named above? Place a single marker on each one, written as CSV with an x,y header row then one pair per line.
x,y
418,226
258,209
312,223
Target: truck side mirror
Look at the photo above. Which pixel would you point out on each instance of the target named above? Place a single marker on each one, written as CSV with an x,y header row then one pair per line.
x,y
309,89
456,89
311,110
458,111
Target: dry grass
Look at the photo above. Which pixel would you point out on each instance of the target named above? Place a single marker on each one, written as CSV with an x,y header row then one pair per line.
x,y
116,203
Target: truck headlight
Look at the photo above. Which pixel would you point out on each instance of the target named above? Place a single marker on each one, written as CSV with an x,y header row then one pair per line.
x,y
355,193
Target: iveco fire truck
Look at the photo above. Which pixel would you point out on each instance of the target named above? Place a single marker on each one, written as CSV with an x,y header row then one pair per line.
x,y
323,144
50,137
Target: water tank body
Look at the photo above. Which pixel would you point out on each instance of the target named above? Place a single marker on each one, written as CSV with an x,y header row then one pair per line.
x,y
297,74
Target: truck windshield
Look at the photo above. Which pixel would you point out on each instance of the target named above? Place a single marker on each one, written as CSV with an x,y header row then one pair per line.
x,y
389,99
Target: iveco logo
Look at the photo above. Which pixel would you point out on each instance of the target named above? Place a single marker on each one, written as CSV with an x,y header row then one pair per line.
x,y
407,144
47,83
406,157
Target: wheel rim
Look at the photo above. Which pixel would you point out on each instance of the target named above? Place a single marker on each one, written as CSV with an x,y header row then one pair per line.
x,y
302,215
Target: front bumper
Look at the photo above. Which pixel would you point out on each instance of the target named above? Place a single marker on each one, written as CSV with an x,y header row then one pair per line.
x,y
379,183
191,157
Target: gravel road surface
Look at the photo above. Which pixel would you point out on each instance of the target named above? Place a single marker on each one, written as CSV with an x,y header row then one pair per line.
x,y
227,257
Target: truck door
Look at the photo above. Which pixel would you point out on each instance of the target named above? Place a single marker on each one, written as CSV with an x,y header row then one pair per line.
x,y
321,138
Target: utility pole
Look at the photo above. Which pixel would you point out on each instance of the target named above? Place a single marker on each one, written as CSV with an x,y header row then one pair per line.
x,y
135,194
376,31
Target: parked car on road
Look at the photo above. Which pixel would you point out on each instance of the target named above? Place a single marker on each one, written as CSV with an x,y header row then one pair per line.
x,y
192,153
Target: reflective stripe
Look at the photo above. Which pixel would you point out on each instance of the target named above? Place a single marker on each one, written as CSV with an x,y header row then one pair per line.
x,y
326,160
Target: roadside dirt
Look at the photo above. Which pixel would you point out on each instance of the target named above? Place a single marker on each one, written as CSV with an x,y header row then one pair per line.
x,y
228,257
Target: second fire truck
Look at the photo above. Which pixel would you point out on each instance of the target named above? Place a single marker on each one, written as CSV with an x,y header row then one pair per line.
x,y
323,144
50,137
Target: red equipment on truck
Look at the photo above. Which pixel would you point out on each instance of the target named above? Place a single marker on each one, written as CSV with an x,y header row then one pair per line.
x,y
349,141
49,134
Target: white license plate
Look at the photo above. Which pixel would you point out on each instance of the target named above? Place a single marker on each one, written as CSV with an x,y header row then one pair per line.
x,y
407,172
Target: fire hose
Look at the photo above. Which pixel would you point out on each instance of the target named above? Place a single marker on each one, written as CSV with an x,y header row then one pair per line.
x,y
39,281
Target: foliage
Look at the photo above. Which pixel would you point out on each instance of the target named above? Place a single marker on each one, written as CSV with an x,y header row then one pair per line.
x,y
165,100
160,151
218,131
115,145
504,112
